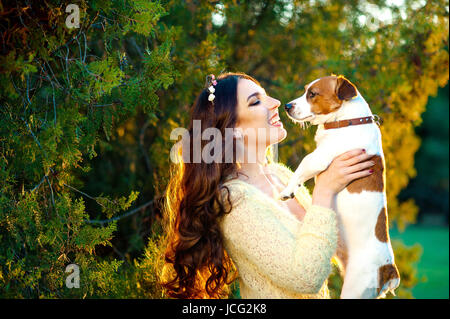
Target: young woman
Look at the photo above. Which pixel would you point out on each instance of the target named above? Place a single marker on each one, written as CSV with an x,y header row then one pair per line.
x,y
226,216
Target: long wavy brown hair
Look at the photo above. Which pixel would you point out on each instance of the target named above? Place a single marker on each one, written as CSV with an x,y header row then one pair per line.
x,y
196,263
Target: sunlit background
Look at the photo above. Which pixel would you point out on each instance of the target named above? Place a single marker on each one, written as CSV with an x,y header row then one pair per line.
x,y
86,115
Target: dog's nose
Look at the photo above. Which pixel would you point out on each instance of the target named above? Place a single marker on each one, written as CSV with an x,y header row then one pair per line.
x,y
288,106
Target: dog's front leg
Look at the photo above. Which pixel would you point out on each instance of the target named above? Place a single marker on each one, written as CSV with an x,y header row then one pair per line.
x,y
311,165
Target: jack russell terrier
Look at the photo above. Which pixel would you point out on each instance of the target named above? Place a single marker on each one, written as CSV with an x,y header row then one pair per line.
x,y
345,122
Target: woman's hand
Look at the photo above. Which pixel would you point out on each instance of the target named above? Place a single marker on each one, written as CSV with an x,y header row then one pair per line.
x,y
341,171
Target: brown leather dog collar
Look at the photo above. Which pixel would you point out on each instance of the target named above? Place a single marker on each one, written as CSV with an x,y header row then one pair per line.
x,y
349,122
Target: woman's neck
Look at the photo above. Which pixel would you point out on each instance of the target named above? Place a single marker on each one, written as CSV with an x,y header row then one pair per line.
x,y
254,160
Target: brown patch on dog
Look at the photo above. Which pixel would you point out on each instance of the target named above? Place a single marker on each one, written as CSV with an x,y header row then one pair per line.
x,y
327,94
381,229
373,182
325,99
386,273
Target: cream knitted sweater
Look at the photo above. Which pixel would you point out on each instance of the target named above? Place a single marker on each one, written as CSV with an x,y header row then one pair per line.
x,y
276,255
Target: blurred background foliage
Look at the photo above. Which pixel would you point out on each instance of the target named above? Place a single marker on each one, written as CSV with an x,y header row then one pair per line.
x,y
86,114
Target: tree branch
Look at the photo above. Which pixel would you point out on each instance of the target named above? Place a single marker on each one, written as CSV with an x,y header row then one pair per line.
x,y
131,212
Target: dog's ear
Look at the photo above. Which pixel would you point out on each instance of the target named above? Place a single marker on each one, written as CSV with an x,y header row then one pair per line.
x,y
345,90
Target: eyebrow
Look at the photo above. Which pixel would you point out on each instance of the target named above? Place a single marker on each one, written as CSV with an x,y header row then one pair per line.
x,y
252,95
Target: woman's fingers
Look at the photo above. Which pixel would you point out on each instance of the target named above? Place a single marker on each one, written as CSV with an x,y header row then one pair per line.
x,y
347,167
359,166
358,174
350,154
357,159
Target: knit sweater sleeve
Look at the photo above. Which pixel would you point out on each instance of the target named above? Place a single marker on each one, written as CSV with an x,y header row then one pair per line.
x,y
298,261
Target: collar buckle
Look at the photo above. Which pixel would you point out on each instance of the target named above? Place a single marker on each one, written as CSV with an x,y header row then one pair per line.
x,y
378,120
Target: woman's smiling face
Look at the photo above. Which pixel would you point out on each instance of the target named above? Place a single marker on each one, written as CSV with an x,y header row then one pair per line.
x,y
258,114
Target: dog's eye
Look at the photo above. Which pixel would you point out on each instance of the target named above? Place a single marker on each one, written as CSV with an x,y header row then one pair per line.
x,y
311,94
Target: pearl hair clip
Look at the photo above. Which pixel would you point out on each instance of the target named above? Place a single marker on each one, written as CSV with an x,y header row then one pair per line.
x,y
211,88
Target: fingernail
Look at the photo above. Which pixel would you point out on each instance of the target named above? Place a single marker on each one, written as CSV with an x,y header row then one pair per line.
x,y
371,171
364,150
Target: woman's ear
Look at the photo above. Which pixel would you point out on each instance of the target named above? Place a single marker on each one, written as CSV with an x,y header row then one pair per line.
x,y
345,90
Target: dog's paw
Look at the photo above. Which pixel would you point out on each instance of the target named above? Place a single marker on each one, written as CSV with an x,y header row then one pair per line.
x,y
390,286
287,194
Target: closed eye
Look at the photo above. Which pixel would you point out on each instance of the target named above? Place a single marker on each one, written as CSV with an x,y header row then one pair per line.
x,y
255,103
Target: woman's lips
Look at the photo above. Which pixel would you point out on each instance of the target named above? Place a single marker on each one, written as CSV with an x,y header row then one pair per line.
x,y
275,120
277,124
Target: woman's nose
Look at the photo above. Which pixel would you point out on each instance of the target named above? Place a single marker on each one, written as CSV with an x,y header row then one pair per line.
x,y
276,104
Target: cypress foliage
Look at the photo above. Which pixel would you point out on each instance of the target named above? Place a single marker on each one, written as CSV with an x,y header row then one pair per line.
x,y
64,92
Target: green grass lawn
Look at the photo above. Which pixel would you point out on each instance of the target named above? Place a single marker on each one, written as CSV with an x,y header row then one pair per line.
x,y
434,263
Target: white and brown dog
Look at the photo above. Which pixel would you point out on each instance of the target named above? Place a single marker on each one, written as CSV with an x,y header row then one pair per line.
x,y
345,122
